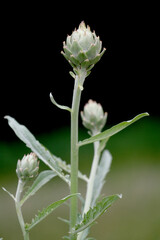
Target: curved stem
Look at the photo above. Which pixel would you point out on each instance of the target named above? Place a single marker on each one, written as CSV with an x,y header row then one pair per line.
x,y
79,80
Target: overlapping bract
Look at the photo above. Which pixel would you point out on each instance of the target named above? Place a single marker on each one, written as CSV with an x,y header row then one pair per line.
x,y
83,47
93,117
27,167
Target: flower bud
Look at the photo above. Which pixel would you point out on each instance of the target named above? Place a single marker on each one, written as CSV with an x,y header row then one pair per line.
x,y
83,47
93,117
28,167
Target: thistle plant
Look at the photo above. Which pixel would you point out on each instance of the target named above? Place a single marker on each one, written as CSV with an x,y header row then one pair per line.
x,y
82,49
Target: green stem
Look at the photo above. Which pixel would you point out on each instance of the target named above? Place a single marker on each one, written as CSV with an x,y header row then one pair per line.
x,y
79,80
18,209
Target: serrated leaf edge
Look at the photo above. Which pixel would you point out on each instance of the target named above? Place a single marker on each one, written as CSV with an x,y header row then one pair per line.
x,y
46,211
96,212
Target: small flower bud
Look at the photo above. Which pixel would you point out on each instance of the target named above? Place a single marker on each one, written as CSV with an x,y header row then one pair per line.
x,y
93,117
28,167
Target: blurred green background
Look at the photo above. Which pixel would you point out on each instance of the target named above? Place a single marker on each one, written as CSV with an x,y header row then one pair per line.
x,y
135,172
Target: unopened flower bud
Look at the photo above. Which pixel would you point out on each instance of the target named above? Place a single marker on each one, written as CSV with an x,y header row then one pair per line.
x,y
93,117
28,167
82,48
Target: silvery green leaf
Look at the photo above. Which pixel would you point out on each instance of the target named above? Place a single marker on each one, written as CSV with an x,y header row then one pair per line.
x,y
112,131
66,237
45,212
102,144
64,220
103,169
91,216
84,234
10,194
58,105
27,137
67,168
40,181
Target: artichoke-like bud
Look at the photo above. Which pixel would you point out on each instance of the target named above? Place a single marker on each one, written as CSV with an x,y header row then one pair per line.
x,y
28,167
93,117
83,47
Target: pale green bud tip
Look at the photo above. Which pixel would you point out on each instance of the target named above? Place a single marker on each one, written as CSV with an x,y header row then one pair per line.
x,y
82,48
82,25
28,167
93,117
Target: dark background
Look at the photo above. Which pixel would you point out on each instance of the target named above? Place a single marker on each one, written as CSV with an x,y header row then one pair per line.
x,y
125,81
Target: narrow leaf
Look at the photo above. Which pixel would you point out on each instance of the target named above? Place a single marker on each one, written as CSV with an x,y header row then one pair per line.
x,y
92,215
58,105
113,130
102,145
40,181
64,220
10,194
26,136
84,234
103,169
91,238
67,168
45,212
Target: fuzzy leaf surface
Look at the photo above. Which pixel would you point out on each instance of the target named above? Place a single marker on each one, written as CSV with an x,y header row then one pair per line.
x,y
112,131
103,169
27,137
91,216
45,212
90,239
10,194
58,105
67,167
40,181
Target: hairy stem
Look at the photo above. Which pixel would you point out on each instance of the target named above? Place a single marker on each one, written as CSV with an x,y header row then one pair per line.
x,y
89,194
79,80
90,185
18,209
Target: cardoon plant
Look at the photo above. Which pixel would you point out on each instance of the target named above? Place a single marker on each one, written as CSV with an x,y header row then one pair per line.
x,y
82,49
